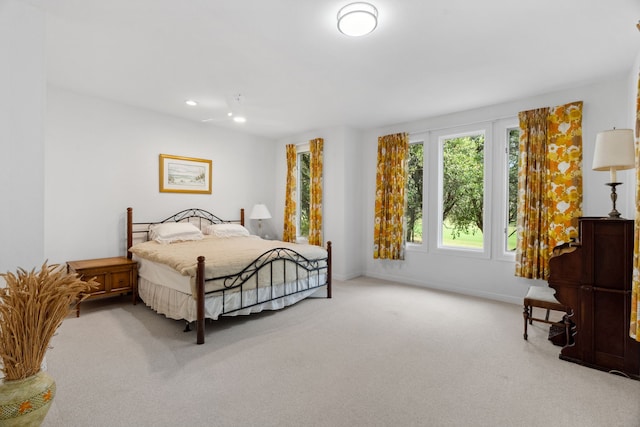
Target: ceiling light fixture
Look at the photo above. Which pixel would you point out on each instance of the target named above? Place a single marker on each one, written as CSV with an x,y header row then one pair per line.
x,y
191,102
357,19
236,109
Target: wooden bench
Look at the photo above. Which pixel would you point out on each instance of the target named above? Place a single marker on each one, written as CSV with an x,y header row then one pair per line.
x,y
544,298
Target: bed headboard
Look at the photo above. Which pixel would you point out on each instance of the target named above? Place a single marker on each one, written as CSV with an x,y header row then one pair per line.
x,y
139,231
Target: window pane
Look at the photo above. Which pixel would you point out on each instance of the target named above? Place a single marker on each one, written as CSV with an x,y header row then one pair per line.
x,y
304,193
413,212
513,137
463,191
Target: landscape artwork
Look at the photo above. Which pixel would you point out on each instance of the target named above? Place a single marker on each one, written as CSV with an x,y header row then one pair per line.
x,y
180,174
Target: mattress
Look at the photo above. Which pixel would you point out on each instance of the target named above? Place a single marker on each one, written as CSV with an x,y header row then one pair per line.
x,y
224,255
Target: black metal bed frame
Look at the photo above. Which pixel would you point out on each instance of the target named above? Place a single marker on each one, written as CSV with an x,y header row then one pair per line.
x,y
306,270
236,282
186,215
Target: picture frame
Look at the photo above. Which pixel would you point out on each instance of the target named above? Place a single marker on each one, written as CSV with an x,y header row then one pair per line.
x,y
180,174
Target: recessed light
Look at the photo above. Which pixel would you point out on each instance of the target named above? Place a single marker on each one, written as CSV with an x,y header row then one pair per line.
x,y
239,119
191,102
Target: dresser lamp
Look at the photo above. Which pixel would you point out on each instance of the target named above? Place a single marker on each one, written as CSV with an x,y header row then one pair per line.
x,y
614,151
260,212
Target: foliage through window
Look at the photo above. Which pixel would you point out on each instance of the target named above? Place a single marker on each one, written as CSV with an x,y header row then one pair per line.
x,y
448,173
462,191
304,193
413,211
513,154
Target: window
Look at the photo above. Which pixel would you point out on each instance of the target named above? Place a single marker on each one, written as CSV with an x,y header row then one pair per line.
x,y
513,154
462,190
304,193
414,193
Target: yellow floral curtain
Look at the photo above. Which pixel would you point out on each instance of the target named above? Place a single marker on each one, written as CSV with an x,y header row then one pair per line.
x,y
315,208
549,185
391,176
634,331
289,233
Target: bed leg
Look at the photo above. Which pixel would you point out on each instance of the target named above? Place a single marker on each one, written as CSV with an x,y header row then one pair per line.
x,y
129,232
200,300
329,269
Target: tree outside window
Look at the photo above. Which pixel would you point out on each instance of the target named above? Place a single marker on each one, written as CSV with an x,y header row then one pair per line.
x,y
413,211
304,193
463,191
513,154
461,164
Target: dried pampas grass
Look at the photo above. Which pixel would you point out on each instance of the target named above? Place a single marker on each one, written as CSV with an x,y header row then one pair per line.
x,y
32,307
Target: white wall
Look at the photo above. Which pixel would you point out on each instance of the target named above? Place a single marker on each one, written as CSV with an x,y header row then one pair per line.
x,y
64,192
102,157
632,100
605,106
349,189
22,100
342,195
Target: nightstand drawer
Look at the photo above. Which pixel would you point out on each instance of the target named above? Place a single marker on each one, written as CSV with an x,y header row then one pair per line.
x,y
101,278
120,280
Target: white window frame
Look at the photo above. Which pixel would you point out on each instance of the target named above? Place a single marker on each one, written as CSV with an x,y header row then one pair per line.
x,y
501,216
435,154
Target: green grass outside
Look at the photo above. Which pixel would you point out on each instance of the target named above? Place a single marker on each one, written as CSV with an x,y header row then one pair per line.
x,y
465,240
472,240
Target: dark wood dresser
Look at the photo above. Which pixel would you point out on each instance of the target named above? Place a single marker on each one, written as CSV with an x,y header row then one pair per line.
x,y
593,277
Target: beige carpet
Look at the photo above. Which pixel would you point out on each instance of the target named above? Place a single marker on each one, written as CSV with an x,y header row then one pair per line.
x,y
377,354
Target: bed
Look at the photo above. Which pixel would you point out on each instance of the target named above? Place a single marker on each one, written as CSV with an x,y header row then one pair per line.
x,y
194,266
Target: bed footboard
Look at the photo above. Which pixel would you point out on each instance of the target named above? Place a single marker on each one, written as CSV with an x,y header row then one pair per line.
x,y
237,281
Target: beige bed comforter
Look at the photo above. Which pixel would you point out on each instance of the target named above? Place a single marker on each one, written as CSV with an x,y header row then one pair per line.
x,y
223,255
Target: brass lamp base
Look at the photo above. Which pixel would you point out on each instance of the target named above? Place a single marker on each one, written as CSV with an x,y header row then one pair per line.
x,y
614,214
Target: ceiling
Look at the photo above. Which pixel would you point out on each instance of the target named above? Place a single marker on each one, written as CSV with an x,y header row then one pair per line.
x,y
296,72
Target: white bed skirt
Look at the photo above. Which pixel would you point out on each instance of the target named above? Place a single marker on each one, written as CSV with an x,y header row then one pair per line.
x,y
178,305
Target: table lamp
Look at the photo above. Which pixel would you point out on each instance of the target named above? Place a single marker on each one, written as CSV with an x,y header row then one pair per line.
x,y
614,151
260,212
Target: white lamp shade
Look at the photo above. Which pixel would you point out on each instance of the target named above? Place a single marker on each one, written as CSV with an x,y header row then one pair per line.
x,y
614,150
260,211
357,19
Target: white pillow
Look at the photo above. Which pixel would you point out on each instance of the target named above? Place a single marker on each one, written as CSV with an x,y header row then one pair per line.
x,y
170,232
226,230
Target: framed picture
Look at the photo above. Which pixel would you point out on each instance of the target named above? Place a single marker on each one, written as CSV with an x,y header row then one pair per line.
x,y
184,175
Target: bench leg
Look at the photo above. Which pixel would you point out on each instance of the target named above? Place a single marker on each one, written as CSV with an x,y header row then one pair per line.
x,y
525,314
567,328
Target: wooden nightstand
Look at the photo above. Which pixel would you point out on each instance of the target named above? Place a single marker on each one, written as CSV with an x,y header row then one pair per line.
x,y
116,276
